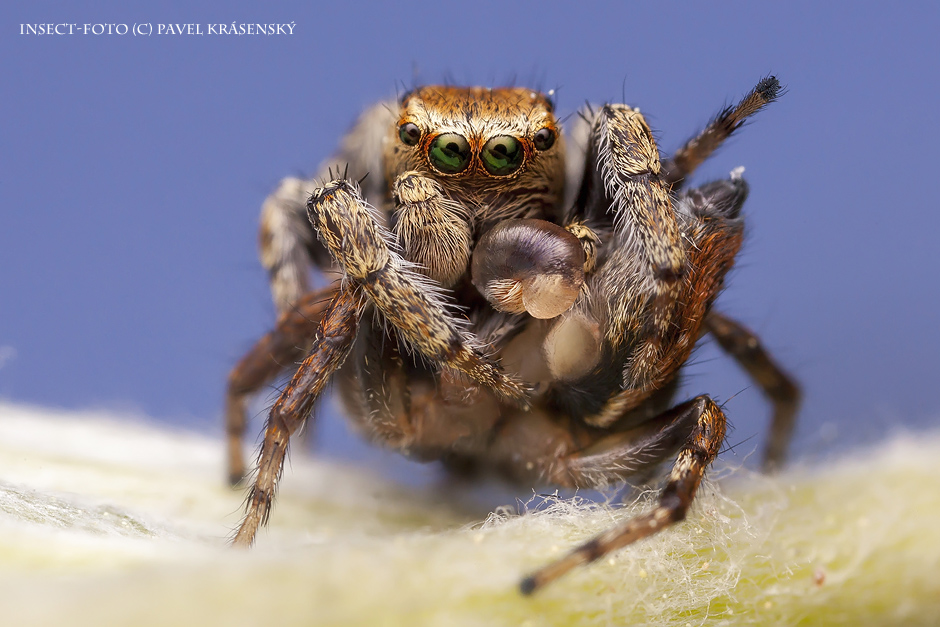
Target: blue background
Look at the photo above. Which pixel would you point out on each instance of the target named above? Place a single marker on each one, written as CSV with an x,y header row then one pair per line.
x,y
133,170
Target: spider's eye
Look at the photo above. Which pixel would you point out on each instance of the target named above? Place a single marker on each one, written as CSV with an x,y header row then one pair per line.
x,y
544,139
409,133
450,153
502,155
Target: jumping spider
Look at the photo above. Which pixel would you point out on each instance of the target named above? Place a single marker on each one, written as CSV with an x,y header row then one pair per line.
x,y
508,301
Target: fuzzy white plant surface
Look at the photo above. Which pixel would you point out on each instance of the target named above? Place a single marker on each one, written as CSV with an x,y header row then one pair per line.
x,y
115,522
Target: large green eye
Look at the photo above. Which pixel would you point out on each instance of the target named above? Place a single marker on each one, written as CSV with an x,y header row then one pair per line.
x,y
502,155
450,153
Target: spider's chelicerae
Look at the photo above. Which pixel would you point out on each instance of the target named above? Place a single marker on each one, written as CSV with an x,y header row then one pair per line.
x,y
510,300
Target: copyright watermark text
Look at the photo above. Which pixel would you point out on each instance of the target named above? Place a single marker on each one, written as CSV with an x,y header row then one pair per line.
x,y
147,29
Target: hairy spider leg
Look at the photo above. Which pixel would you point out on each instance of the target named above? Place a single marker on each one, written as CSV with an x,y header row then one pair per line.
x,y
712,232
699,451
409,301
275,352
697,149
778,386
643,258
287,243
331,344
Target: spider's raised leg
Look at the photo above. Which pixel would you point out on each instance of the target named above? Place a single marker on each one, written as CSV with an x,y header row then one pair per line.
x,y
643,259
411,302
287,243
331,344
742,344
712,230
289,248
696,150
699,450
276,351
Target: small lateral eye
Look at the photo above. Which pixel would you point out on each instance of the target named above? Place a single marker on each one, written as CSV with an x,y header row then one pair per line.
x,y
502,155
409,133
450,153
544,139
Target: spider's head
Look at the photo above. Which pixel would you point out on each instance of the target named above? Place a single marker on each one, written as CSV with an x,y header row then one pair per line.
x,y
480,138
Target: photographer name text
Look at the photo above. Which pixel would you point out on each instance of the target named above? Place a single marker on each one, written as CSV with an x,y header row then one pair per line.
x,y
147,29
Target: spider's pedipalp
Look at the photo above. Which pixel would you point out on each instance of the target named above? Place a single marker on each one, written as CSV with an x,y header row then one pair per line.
x,y
434,231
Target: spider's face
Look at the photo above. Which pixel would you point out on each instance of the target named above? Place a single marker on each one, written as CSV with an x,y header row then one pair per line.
x,y
485,139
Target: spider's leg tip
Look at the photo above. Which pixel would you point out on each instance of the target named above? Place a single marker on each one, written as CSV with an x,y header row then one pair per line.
x,y
527,586
769,88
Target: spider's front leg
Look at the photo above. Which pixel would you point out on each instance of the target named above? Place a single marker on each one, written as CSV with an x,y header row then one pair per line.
x,y
699,450
411,302
640,275
286,240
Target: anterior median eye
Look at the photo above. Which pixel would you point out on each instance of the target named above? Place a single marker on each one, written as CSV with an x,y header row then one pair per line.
x,y
450,153
502,155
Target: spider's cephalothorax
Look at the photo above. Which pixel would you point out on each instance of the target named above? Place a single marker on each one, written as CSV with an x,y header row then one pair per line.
x,y
461,160
508,302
